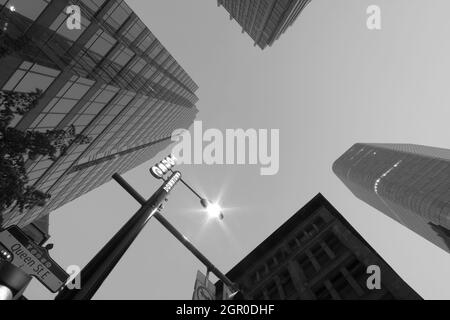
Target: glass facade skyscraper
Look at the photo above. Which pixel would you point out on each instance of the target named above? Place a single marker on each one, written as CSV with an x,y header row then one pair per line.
x,y
409,183
112,80
264,20
315,255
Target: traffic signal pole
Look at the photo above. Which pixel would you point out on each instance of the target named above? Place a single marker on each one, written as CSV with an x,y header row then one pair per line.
x,y
95,272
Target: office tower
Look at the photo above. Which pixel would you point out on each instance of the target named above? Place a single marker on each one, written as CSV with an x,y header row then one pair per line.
x,y
264,20
112,80
315,255
409,183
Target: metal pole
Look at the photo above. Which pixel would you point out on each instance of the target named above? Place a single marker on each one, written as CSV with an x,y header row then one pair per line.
x,y
96,271
185,241
176,233
190,188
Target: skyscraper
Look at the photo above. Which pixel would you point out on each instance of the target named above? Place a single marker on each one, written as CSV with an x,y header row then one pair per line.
x,y
264,20
409,183
111,79
315,255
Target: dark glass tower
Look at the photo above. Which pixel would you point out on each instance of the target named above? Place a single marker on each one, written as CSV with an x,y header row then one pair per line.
x,y
409,183
315,255
112,80
264,20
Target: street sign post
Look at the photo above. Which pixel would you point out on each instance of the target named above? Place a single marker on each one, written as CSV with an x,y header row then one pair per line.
x,y
204,289
18,249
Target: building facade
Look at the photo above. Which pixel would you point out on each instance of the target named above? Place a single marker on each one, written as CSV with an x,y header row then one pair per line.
x,y
111,80
408,183
315,255
264,20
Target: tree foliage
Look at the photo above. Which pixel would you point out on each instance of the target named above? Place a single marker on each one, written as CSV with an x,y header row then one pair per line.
x,y
17,147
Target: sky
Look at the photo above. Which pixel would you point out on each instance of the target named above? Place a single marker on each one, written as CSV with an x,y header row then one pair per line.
x,y
326,84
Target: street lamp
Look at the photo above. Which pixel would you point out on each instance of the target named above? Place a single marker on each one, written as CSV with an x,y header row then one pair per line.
x,y
213,209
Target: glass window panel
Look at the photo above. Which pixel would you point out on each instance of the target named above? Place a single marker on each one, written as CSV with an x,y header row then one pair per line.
x,y
37,120
138,65
76,91
44,70
134,31
27,8
64,89
26,65
94,108
12,82
33,81
146,42
105,96
93,4
64,106
120,14
51,120
122,57
101,43
84,120
150,72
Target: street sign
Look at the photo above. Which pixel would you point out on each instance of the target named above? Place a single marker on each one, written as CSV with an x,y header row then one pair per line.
x,y
204,289
160,169
22,252
227,292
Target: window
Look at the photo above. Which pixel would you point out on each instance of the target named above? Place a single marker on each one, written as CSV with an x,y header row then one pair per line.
x,y
288,285
320,254
357,271
307,267
342,287
146,42
319,223
94,5
334,244
310,231
117,14
27,79
101,42
280,256
302,237
134,30
322,293
272,292
258,296
262,271
122,56
29,9
272,263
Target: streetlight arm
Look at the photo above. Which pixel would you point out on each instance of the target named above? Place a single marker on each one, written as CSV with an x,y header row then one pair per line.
x,y
190,188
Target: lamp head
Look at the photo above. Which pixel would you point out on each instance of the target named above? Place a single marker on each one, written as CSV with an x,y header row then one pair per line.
x,y
213,209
